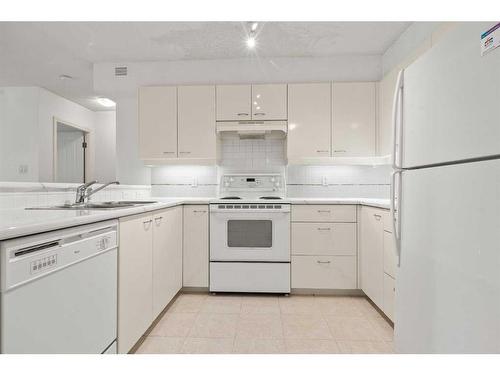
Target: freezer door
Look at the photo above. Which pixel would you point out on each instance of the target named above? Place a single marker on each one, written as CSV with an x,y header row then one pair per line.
x,y
451,100
448,283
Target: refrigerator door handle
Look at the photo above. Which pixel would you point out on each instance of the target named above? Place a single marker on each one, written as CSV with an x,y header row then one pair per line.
x,y
397,133
396,212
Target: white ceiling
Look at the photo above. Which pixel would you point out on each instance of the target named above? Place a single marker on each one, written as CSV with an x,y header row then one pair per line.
x,y
36,53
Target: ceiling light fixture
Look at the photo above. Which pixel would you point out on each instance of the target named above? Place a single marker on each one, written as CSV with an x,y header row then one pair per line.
x,y
105,102
251,42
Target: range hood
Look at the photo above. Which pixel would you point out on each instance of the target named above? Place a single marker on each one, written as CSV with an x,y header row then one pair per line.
x,y
253,129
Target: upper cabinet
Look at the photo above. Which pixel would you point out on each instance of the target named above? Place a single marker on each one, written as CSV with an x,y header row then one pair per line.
x,y
196,122
158,122
309,120
177,123
269,102
251,102
354,119
234,102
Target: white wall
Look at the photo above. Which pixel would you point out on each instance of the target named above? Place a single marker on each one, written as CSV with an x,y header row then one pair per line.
x,y
18,133
130,169
27,134
105,146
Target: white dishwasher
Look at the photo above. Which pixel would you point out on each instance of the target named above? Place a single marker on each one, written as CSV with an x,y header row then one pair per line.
x,y
59,291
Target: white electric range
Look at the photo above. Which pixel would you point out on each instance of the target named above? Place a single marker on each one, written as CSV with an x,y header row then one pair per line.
x,y
250,235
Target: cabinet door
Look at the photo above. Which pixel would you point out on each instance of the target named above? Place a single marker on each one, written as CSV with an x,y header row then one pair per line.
x,y
372,256
323,272
233,102
135,263
269,102
195,252
386,89
162,291
309,120
173,268
389,294
157,122
196,113
354,118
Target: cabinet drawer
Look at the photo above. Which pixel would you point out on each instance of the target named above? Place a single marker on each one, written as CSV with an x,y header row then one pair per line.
x,y
324,213
389,293
323,239
324,272
390,259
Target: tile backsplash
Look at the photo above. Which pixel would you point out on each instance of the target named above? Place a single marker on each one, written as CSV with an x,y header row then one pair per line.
x,y
22,195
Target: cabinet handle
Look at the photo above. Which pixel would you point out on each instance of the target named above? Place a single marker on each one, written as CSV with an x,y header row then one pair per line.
x,y
324,228
242,114
184,152
324,211
323,261
377,217
200,211
321,151
158,219
169,152
339,151
259,114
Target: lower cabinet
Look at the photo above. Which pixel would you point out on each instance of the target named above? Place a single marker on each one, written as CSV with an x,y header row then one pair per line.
x,y
323,242
378,261
149,270
196,241
323,272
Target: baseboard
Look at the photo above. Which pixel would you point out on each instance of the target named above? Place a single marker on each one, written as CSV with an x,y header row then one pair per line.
x,y
194,289
327,292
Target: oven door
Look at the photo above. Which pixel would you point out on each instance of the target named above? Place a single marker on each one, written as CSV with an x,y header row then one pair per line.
x,y
247,235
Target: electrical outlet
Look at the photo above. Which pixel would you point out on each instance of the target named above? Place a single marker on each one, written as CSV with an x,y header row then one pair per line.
x,y
195,182
324,181
23,169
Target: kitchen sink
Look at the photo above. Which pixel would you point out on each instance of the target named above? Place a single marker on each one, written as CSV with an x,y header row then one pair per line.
x,y
94,205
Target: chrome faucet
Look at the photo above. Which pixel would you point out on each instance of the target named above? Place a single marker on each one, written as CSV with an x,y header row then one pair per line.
x,y
83,192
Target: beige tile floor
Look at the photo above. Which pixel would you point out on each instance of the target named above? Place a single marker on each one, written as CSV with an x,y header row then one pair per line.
x,y
203,323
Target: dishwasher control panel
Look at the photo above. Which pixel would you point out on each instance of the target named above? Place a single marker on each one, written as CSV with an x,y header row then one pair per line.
x,y
28,258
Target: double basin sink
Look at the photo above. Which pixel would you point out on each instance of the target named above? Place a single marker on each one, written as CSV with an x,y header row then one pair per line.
x,y
95,205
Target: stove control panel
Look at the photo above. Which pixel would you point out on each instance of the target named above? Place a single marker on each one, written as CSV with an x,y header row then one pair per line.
x,y
258,182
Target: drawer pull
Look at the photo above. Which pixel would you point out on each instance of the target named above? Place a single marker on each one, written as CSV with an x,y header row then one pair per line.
x,y
169,152
321,151
158,219
378,217
184,152
339,151
324,211
242,114
200,211
323,261
259,114
324,228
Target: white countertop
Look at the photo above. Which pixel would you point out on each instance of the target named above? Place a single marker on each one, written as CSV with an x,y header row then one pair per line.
x,y
20,222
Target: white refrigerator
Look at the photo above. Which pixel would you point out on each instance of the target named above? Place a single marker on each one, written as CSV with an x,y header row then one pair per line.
x,y
446,198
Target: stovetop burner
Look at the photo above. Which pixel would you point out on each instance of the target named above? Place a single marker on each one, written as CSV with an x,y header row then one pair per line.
x,y
270,197
231,197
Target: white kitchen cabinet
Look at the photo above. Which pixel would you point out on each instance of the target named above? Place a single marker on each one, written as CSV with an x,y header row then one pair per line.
x,y
323,238
196,242
167,257
135,282
309,120
354,119
386,90
157,122
196,122
323,272
372,254
390,258
234,102
389,295
269,102
324,213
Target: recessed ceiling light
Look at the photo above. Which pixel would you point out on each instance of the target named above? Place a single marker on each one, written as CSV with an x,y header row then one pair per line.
x,y
65,76
251,42
105,102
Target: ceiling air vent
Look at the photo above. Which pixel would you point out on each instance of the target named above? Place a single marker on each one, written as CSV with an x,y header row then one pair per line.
x,y
120,71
